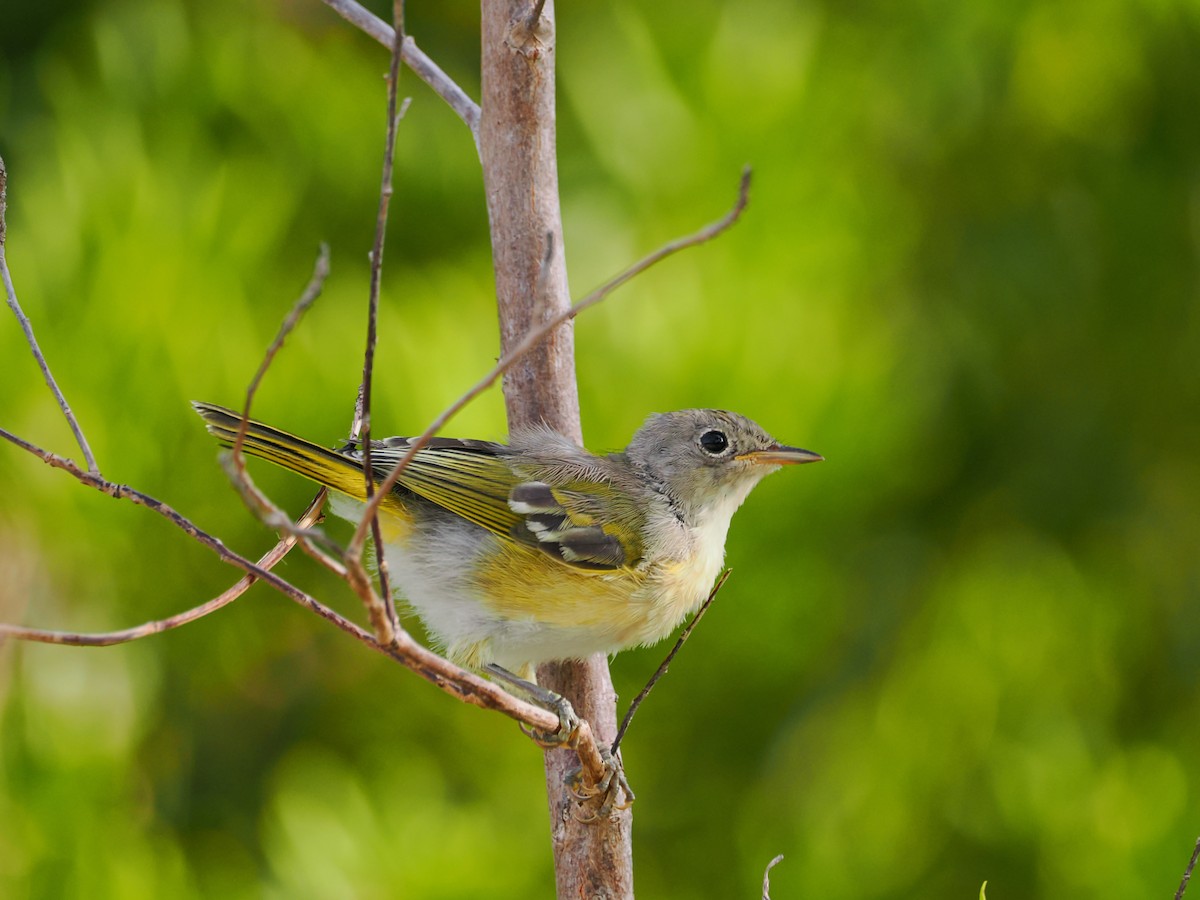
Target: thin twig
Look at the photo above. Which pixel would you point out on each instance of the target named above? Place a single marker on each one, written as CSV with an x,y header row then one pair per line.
x,y
380,607
766,893
158,626
307,298
424,67
705,234
1187,873
26,326
666,663
536,335
235,462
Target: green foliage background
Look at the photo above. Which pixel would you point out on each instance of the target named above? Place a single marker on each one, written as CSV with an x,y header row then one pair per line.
x,y
967,647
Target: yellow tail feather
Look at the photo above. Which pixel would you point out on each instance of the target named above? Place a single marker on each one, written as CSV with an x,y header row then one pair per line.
x,y
327,467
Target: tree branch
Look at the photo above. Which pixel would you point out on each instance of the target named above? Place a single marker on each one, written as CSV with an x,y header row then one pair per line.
x,y
424,67
307,298
520,172
1187,873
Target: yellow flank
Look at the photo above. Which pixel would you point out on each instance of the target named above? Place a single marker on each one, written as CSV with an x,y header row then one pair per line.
x,y
395,522
522,583
632,606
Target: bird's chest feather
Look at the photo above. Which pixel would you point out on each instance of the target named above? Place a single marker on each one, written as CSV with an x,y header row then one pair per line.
x,y
676,587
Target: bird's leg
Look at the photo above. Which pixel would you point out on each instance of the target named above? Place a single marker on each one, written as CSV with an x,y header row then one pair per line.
x,y
568,720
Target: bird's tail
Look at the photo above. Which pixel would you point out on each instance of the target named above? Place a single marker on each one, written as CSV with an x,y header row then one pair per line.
x,y
327,467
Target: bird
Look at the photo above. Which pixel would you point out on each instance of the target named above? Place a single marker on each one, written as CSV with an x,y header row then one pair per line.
x,y
536,550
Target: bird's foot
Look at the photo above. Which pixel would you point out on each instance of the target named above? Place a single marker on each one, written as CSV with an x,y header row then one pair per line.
x,y
568,720
610,793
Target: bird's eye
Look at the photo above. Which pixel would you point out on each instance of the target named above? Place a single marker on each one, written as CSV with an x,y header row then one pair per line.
x,y
714,442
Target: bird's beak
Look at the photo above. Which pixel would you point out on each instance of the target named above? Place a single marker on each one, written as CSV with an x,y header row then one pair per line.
x,y
780,455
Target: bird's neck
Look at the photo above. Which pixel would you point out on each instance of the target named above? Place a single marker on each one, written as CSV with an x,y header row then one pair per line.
x,y
711,517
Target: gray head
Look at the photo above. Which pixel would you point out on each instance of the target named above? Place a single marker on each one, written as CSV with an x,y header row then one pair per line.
x,y
708,458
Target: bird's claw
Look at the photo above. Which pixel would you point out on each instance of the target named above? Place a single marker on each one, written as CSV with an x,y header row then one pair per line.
x,y
568,724
612,791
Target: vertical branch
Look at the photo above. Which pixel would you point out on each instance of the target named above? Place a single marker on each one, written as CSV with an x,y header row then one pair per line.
x,y
520,170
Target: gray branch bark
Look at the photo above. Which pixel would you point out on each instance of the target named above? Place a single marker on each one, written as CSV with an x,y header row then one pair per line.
x,y
520,170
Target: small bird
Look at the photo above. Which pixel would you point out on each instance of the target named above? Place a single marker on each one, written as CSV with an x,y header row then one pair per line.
x,y
538,550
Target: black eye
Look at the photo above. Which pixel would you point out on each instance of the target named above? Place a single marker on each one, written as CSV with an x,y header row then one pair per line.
x,y
714,442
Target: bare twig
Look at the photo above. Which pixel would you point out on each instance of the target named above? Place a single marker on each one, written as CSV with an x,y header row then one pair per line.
x,y
108,638
11,293
705,234
766,892
307,298
536,335
235,462
380,607
424,67
666,663
318,545
1187,873
466,686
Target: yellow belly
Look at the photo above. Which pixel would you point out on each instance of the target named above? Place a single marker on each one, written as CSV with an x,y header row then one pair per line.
x,y
628,606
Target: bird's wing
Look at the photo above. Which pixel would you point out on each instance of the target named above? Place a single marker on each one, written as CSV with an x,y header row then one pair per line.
x,y
583,523
577,523
467,478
